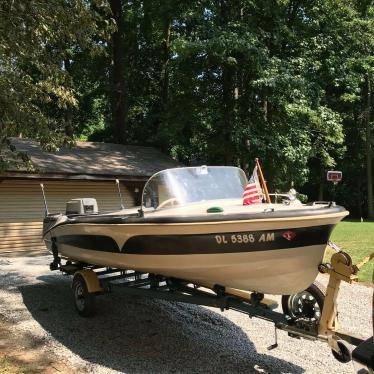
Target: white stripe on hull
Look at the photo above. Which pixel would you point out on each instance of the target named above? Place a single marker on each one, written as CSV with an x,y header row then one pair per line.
x,y
283,271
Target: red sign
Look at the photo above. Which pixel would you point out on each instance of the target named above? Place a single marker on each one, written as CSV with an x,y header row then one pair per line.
x,y
334,176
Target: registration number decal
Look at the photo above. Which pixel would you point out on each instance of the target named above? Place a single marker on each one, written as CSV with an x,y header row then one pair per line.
x,y
245,238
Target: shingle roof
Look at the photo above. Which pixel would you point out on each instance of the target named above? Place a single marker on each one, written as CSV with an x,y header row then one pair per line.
x,y
89,158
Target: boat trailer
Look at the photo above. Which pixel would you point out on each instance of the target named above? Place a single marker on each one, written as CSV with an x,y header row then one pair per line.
x,y
90,281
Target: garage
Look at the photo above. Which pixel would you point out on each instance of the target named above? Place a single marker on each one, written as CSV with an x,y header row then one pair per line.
x,y
87,170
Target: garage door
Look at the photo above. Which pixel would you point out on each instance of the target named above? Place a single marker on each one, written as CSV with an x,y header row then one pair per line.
x,y
22,209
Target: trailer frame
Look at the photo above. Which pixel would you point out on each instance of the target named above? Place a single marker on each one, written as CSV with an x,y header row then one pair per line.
x,y
93,280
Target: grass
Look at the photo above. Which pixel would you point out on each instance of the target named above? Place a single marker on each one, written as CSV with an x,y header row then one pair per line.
x,y
357,239
8,366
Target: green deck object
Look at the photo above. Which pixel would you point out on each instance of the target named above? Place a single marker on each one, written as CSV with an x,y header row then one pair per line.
x,y
214,209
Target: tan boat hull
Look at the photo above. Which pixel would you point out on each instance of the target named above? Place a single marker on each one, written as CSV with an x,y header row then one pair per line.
x,y
273,272
276,271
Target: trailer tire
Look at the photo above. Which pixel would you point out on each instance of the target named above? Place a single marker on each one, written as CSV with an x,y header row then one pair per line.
x,y
314,298
344,355
84,301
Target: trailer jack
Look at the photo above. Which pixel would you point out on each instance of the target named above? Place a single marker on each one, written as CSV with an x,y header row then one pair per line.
x,y
340,269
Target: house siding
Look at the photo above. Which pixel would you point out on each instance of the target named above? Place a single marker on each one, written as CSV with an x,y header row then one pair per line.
x,y
22,208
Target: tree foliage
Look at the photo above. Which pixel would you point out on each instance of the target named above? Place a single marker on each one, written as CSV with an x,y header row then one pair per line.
x,y
38,42
212,81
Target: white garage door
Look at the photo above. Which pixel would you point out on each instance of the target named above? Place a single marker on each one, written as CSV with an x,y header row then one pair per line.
x,y
22,209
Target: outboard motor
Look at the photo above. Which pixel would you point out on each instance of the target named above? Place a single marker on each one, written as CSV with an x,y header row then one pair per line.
x,y
84,206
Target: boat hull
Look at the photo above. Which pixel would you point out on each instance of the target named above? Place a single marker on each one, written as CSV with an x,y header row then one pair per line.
x,y
273,256
247,271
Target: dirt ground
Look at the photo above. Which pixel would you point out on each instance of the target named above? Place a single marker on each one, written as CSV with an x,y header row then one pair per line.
x,y
21,353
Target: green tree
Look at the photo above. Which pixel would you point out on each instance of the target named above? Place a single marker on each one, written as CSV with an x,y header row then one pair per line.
x,y
217,82
38,39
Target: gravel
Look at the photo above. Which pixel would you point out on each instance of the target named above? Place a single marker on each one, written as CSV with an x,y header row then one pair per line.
x,y
138,335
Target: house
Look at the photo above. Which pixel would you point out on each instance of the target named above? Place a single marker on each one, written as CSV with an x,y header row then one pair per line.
x,y
86,170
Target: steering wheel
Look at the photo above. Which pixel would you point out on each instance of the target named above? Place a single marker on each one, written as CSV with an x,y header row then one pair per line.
x,y
172,201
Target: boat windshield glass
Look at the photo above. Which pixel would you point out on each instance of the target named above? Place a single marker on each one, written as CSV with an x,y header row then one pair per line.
x,y
181,186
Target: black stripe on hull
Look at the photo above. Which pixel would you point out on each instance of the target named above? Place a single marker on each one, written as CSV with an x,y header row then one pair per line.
x,y
94,242
235,242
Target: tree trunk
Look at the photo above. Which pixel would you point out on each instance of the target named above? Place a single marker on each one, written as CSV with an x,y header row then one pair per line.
x,y
119,86
166,61
227,106
227,96
146,25
68,115
320,190
360,197
265,108
369,151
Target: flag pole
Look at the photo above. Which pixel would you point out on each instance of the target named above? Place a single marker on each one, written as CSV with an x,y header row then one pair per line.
x,y
263,182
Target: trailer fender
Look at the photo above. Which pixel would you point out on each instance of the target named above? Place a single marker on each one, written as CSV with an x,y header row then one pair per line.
x,y
91,279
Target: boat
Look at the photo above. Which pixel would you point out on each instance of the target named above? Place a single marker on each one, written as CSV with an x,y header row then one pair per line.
x,y
192,225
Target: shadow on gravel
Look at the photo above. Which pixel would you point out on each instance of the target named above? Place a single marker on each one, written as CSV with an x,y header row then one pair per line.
x,y
137,335
9,280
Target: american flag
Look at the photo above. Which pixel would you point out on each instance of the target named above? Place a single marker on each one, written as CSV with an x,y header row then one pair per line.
x,y
252,193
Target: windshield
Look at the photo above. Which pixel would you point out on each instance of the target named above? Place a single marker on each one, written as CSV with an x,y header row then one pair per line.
x,y
181,186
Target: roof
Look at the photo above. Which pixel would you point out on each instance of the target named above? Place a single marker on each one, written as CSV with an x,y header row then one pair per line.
x,y
91,159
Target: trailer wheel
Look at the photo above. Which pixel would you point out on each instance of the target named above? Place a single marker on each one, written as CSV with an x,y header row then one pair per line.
x,y
344,355
305,304
83,300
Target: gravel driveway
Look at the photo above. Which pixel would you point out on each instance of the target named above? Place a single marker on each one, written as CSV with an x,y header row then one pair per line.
x,y
136,335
